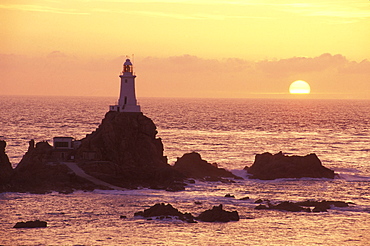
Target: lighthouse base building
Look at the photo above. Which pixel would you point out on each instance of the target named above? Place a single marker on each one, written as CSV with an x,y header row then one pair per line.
x,y
127,99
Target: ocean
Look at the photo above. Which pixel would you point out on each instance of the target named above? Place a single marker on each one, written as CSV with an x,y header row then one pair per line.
x,y
229,132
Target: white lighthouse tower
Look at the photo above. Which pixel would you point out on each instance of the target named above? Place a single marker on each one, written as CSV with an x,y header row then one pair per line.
x,y
127,99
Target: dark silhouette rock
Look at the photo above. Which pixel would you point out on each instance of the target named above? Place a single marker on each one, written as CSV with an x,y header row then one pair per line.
x,y
6,169
31,224
321,208
289,206
268,166
229,195
305,206
193,166
217,214
258,201
35,157
161,211
123,151
126,153
37,174
310,203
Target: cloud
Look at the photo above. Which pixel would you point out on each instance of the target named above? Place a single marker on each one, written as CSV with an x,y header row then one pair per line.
x,y
183,76
293,65
350,9
41,8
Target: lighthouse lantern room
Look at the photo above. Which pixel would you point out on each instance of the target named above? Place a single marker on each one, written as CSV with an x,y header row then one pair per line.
x,y
127,99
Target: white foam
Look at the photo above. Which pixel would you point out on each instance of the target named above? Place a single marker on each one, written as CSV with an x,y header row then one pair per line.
x,y
354,178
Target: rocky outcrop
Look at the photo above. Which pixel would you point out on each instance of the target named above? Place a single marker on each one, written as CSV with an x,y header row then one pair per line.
x,y
305,206
31,224
217,214
37,174
193,166
128,139
268,166
125,152
6,169
161,211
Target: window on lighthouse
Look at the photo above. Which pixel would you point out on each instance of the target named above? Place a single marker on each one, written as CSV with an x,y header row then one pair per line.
x,y
127,68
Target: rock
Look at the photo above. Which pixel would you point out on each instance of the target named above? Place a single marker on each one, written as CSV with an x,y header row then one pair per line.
x,y
323,203
258,201
267,167
6,169
244,198
193,166
34,174
30,224
229,195
123,151
130,153
160,210
319,206
123,217
289,206
217,214
176,187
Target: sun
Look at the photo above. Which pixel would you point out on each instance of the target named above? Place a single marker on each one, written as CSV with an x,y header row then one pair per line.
x,y
299,87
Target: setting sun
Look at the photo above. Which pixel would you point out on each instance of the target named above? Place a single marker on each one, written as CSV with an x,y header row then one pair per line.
x,y
299,87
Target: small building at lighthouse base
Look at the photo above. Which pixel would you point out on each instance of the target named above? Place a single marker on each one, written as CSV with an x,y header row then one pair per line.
x,y
125,108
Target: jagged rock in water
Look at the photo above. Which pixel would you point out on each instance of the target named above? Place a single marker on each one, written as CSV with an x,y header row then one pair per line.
x,y
36,174
128,139
160,210
319,206
31,224
289,206
193,166
35,157
6,169
127,146
268,166
123,151
217,214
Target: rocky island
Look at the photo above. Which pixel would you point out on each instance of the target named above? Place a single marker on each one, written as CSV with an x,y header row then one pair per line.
x,y
123,153
267,166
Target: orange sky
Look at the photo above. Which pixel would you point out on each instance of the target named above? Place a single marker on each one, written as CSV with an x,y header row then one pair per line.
x,y
194,48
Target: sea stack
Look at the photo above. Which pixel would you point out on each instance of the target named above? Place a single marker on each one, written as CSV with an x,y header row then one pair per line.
x,y
267,166
6,169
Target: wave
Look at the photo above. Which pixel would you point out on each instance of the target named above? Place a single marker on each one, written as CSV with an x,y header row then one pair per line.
x,y
354,178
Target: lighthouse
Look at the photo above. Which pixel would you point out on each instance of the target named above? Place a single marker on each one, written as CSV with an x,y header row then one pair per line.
x,y
127,99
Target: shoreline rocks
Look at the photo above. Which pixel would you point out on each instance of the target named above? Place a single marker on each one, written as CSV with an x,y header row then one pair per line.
x,y
267,166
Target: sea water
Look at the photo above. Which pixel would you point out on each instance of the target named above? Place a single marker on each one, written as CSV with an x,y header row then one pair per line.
x,y
229,132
